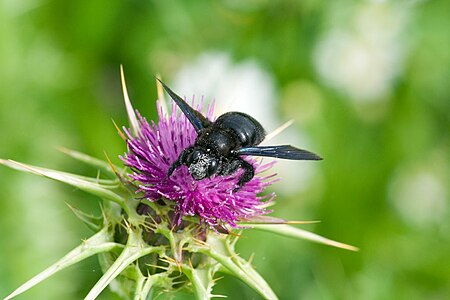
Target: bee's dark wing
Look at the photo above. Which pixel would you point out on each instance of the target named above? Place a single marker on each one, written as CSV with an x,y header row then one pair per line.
x,y
197,120
281,151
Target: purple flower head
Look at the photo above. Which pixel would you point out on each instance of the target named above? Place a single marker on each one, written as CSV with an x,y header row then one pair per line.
x,y
157,146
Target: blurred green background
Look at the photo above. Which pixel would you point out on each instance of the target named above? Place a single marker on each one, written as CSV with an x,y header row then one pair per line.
x,y
367,83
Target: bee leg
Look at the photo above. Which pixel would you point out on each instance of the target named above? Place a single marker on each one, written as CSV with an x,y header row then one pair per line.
x,y
249,172
233,165
174,166
229,166
181,160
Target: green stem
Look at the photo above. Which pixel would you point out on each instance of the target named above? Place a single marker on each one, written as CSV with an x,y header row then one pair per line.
x,y
237,266
134,249
201,280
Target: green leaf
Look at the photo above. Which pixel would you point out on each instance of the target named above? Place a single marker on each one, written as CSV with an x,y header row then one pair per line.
x,y
145,284
202,281
91,221
101,188
92,161
100,242
271,220
134,249
143,287
291,231
219,249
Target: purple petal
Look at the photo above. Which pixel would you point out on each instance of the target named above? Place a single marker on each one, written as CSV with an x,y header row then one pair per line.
x,y
157,146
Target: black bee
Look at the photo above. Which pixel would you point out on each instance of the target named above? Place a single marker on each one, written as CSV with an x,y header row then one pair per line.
x,y
220,144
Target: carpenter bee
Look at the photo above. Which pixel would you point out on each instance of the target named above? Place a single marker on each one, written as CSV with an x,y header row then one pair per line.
x,y
220,144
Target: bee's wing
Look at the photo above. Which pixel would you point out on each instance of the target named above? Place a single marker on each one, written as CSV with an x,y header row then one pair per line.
x,y
197,120
281,151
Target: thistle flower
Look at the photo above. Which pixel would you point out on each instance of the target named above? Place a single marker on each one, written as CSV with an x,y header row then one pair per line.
x,y
158,235
157,146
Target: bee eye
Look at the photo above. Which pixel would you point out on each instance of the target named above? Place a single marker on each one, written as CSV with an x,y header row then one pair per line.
x,y
212,167
196,155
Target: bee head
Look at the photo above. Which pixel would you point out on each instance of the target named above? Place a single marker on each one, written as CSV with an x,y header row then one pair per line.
x,y
202,164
